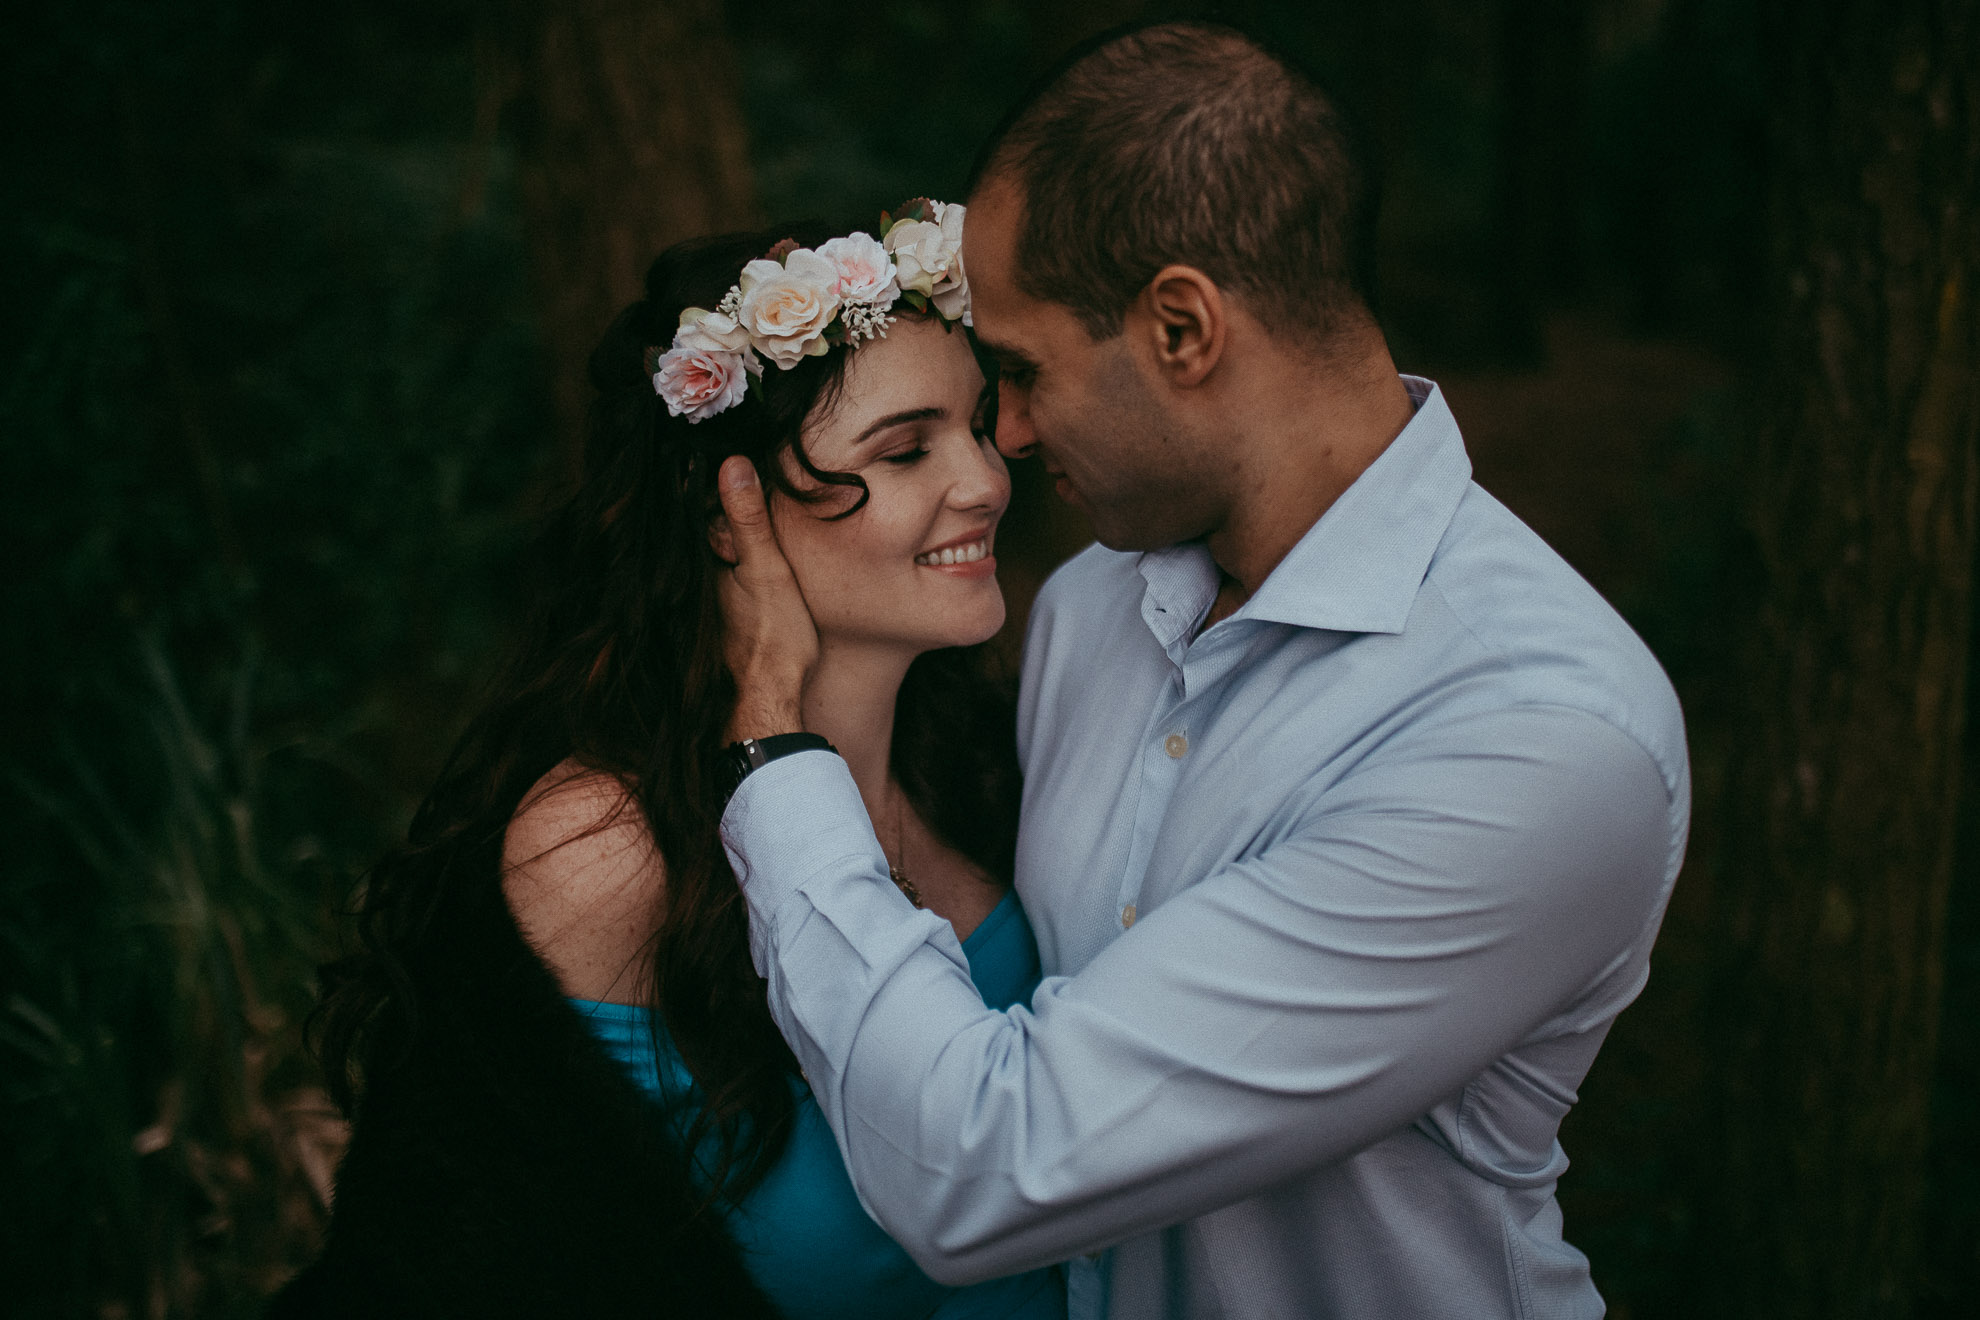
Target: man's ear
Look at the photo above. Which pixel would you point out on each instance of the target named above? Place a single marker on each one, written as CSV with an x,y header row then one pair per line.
x,y
721,540
1184,321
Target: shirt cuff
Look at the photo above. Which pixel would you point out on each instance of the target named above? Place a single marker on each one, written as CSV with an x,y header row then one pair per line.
x,y
794,818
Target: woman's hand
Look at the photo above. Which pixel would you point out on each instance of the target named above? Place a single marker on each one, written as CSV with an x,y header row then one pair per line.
x,y
768,637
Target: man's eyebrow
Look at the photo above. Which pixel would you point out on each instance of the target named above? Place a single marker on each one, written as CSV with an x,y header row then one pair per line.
x,y
1005,354
900,419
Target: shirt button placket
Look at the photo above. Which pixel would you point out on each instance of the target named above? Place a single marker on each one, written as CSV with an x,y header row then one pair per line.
x,y
1168,743
1175,746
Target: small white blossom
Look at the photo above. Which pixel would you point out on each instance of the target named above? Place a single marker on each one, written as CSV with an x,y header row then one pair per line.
x,y
864,321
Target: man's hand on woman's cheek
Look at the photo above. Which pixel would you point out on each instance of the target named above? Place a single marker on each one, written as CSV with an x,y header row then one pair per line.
x,y
768,637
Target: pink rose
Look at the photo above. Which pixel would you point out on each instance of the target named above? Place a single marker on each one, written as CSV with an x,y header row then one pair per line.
x,y
865,271
697,383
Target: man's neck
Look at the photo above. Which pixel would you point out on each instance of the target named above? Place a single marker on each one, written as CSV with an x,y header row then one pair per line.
x,y
1302,451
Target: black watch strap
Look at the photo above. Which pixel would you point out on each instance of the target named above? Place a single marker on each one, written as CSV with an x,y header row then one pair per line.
x,y
739,758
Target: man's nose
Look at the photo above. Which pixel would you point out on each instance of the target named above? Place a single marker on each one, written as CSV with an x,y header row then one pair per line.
x,y
1015,438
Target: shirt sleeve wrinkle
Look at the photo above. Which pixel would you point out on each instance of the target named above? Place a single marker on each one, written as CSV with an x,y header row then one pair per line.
x,y
1386,956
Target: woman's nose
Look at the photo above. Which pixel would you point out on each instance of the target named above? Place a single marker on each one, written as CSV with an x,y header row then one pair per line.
x,y
1015,438
980,480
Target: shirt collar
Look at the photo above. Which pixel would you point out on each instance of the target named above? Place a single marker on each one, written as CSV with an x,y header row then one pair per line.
x,y
1358,568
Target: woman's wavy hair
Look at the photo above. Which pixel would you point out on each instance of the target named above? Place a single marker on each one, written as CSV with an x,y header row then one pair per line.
x,y
620,670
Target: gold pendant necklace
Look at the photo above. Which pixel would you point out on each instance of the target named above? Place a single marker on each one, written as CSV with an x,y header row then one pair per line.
x,y
897,871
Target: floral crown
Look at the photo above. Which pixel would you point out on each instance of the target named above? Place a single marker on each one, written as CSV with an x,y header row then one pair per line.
x,y
794,302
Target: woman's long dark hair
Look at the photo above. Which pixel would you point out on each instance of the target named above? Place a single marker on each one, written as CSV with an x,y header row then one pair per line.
x,y
620,670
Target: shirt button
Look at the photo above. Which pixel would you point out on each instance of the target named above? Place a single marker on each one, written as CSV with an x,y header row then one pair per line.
x,y
1175,745
1127,916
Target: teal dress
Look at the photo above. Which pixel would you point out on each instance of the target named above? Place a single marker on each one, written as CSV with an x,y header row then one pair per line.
x,y
805,1238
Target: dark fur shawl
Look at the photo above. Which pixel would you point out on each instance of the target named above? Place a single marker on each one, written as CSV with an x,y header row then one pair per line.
x,y
508,1166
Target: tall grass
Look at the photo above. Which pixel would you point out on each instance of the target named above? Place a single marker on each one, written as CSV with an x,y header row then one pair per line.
x,y
173,1152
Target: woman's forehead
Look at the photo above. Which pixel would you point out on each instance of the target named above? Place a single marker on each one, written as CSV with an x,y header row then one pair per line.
x,y
918,367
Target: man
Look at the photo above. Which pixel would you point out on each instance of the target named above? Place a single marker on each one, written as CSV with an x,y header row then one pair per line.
x,y
1350,811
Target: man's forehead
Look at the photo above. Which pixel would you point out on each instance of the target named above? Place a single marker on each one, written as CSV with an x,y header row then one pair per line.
x,y
989,244
990,228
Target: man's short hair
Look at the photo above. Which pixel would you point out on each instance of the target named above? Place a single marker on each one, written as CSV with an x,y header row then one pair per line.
x,y
1190,143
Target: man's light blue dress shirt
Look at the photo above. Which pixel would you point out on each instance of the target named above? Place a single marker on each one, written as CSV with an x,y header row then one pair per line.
x,y
1336,901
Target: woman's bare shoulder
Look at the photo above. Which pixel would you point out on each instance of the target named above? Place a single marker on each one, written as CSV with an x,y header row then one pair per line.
x,y
585,882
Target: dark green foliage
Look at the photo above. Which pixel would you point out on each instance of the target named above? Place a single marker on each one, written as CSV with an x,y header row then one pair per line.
x,y
161,929
271,418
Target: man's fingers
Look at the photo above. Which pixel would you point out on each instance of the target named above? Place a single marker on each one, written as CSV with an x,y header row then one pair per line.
x,y
742,502
770,642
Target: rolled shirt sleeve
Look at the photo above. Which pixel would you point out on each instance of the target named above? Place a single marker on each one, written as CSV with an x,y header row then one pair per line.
x,y
1426,913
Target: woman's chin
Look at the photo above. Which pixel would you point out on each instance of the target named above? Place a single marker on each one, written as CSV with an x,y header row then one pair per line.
x,y
992,622
970,632
923,621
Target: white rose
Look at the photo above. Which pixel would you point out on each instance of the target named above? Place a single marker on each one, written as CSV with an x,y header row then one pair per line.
x,y
712,332
701,328
698,383
786,308
928,257
865,271
952,293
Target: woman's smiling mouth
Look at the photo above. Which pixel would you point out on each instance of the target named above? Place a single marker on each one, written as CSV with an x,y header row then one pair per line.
x,y
950,556
967,553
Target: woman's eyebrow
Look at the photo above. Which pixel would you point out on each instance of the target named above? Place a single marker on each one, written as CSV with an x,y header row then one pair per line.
x,y
898,419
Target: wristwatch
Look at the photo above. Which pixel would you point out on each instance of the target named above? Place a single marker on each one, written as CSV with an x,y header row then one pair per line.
x,y
739,758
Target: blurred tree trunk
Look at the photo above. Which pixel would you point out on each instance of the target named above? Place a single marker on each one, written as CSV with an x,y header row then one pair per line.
x,y
631,138
1543,60
1835,910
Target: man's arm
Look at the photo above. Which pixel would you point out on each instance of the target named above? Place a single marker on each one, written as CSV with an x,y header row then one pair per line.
x,y
1431,912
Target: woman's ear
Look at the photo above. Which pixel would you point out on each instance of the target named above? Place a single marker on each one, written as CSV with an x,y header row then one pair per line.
x,y
721,540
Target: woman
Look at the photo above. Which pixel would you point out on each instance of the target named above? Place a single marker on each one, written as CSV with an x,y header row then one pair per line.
x,y
555,1001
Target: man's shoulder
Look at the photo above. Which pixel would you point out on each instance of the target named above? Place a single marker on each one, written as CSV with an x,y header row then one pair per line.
x,y
1549,634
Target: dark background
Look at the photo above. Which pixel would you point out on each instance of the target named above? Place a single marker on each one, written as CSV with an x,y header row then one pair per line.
x,y
293,302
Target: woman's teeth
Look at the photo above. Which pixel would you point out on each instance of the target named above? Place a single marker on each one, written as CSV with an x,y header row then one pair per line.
x,y
955,554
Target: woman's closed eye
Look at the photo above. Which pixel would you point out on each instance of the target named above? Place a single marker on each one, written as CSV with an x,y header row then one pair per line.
x,y
913,453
